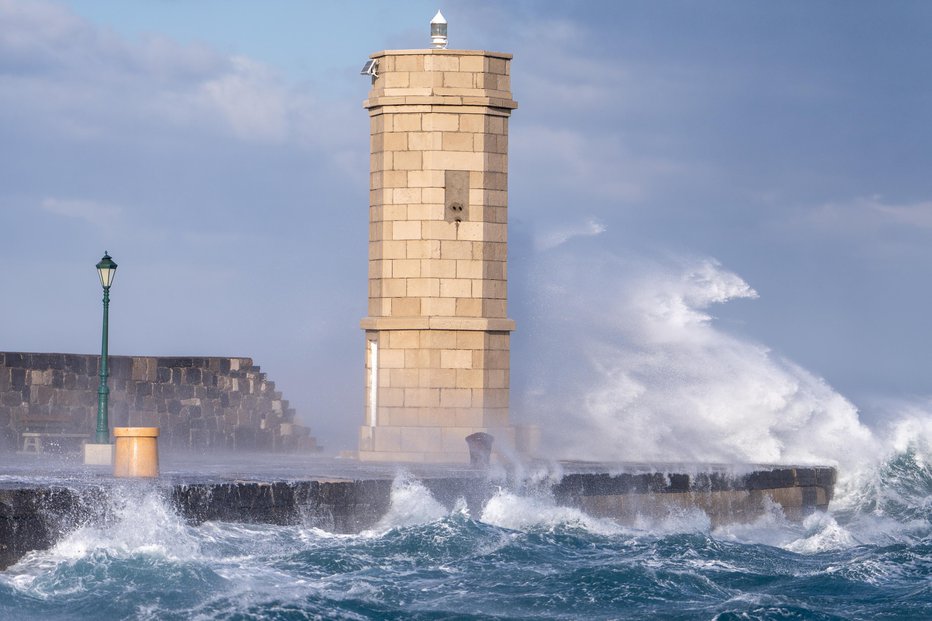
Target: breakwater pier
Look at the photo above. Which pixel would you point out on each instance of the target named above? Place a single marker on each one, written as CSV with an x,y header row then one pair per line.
x,y
41,500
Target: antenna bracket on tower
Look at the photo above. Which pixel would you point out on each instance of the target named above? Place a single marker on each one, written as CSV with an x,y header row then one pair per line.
x,y
370,68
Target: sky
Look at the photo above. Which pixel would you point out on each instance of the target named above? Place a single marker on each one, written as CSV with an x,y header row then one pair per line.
x,y
218,150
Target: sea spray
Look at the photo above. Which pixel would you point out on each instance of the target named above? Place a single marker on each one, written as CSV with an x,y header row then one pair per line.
x,y
508,510
521,557
411,503
135,520
630,365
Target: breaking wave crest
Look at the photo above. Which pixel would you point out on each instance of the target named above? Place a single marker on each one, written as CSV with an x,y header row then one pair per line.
x,y
411,504
630,365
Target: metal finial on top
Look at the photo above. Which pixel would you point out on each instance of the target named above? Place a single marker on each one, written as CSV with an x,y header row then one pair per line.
x,y
438,32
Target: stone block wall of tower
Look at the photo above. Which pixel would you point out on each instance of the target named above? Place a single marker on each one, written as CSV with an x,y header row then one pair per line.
x,y
433,112
437,254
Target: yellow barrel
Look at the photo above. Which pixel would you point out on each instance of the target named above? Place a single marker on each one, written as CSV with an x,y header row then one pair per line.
x,y
136,453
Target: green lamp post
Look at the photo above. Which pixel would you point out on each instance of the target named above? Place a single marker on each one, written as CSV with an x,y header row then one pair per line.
x,y
106,269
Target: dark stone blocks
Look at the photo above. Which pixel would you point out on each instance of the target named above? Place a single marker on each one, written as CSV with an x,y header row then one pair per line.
x,y
16,361
17,378
121,367
228,397
76,364
809,480
176,362
11,398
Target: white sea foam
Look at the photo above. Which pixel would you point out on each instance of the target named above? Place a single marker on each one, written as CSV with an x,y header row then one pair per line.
x,y
411,504
509,510
898,484
822,533
141,522
633,367
911,429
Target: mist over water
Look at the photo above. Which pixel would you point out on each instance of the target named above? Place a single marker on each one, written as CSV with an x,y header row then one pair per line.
x,y
631,364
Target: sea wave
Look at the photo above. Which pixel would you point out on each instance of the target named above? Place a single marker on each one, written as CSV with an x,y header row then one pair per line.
x,y
522,557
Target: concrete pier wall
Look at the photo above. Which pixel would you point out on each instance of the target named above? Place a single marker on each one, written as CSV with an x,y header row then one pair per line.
x,y
197,402
723,495
33,517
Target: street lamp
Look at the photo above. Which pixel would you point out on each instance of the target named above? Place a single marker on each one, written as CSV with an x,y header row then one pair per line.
x,y
106,269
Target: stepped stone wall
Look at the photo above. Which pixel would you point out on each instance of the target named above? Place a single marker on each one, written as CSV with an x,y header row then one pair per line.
x,y
197,402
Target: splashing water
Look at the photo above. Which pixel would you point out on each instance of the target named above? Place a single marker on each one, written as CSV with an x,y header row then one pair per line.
x,y
411,504
139,522
523,558
651,377
511,511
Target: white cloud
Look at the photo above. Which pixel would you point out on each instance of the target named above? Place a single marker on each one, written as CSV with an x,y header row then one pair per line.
x,y
596,164
917,214
251,100
93,212
559,236
62,75
868,214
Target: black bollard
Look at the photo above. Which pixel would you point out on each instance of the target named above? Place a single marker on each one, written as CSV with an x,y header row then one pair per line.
x,y
480,449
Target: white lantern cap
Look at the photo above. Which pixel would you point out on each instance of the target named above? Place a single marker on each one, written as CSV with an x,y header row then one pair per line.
x,y
438,32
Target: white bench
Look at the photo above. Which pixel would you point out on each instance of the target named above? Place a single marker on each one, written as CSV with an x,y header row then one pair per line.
x,y
32,440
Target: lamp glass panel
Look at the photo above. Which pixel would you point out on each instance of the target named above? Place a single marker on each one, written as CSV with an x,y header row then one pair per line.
x,y
106,276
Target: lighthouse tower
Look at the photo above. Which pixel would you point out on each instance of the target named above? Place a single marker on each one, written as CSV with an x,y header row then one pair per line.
x,y
437,331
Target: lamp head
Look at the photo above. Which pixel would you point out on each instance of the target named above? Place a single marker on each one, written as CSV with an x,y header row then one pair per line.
x,y
106,269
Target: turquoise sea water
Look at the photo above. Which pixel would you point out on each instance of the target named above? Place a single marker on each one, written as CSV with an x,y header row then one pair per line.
x,y
522,557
